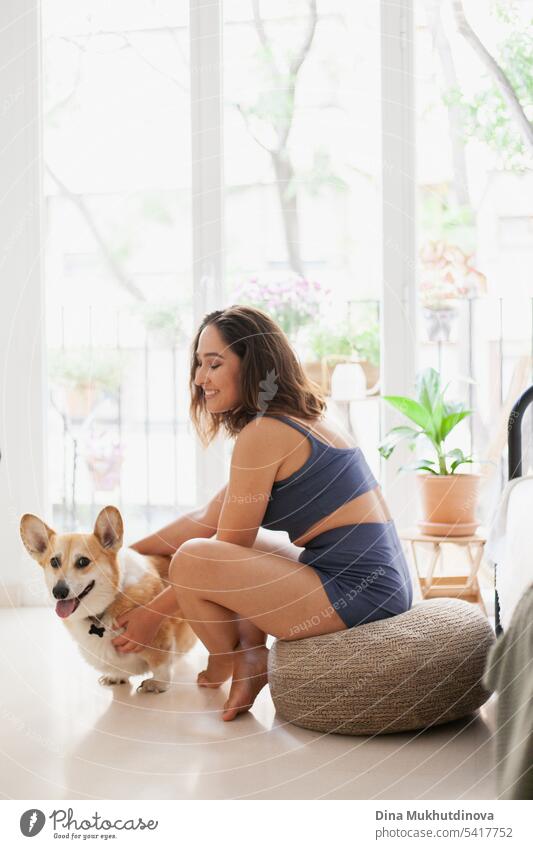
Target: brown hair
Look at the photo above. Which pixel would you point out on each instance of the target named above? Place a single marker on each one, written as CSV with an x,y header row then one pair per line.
x,y
271,375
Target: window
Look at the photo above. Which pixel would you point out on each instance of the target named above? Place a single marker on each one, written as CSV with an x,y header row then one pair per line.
x,y
122,214
302,167
475,211
118,258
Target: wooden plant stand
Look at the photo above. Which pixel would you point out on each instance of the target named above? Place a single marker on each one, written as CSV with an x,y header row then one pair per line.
x,y
466,586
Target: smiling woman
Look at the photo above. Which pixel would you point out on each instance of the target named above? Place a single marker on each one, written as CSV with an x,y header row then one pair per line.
x,y
291,470
242,361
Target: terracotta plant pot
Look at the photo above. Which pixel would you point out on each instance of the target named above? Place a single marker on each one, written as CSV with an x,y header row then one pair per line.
x,y
371,373
320,373
80,400
448,504
313,370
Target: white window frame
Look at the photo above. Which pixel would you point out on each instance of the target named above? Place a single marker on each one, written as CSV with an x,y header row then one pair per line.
x,y
207,148
398,320
23,478
23,405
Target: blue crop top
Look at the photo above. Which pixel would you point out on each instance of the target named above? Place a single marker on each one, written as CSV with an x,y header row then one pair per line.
x,y
328,479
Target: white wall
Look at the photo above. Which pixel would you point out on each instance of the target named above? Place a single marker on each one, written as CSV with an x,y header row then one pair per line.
x,y
22,432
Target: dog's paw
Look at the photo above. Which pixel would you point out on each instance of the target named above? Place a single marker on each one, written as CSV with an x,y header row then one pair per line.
x,y
111,680
152,685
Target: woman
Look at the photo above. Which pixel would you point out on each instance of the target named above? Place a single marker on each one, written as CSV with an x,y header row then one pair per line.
x,y
292,470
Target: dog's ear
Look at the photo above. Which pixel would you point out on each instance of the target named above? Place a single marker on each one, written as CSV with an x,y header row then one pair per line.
x,y
35,535
108,528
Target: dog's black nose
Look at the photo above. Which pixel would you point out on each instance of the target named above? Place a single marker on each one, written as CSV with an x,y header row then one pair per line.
x,y
60,590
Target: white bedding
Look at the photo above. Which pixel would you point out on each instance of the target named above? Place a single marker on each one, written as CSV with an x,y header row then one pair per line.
x,y
510,544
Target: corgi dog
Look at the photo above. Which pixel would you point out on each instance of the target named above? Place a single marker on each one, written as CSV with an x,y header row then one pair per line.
x,y
92,582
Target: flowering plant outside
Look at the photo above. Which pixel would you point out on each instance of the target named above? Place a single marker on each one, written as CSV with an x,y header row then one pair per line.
x,y
83,367
293,302
104,456
447,276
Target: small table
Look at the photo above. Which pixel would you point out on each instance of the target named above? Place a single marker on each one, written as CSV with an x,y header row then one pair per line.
x,y
465,587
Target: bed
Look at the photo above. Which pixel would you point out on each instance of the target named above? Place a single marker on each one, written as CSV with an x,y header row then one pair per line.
x,y
510,543
510,662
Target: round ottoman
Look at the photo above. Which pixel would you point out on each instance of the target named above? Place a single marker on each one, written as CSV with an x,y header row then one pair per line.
x,y
415,670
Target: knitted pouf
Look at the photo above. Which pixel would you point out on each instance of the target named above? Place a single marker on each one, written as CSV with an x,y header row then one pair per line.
x,y
415,670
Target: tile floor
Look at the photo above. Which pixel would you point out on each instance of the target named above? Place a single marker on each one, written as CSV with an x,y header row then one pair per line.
x,y
63,736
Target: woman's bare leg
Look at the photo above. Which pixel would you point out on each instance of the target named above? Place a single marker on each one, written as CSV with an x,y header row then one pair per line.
x,y
217,582
203,523
220,667
249,672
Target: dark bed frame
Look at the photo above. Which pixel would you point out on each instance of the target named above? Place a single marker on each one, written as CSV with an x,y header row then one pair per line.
x,y
514,443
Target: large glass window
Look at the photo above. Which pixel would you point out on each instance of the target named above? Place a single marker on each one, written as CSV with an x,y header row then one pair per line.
x,y
475,212
118,258
302,185
302,221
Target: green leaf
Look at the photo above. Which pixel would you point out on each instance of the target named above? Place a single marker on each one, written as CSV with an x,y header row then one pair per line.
x,y
451,420
394,436
412,410
428,388
438,417
460,462
416,467
455,453
402,431
458,457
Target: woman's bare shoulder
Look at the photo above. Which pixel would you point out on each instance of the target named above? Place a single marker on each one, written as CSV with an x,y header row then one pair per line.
x,y
267,438
260,429
262,441
268,430
329,430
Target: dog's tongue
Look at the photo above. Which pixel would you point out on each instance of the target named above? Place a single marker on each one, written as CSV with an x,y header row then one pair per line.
x,y
65,607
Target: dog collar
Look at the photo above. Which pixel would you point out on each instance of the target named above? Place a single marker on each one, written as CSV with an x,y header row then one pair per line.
x,y
96,625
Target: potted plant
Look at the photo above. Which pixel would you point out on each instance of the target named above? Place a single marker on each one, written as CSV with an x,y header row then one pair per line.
x,y
164,326
85,375
334,346
104,456
449,498
329,348
447,276
367,345
294,303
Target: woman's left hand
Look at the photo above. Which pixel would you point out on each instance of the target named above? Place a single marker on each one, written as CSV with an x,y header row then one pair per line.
x,y
141,625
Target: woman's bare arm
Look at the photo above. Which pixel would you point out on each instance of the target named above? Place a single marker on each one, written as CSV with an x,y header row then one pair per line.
x,y
198,523
202,522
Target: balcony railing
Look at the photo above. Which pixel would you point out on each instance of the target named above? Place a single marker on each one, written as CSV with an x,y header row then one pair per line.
x,y
119,429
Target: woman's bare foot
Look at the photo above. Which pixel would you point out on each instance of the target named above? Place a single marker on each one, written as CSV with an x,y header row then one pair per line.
x,y
249,677
219,669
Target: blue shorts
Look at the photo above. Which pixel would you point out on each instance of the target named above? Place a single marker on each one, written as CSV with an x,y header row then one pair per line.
x,y
363,570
